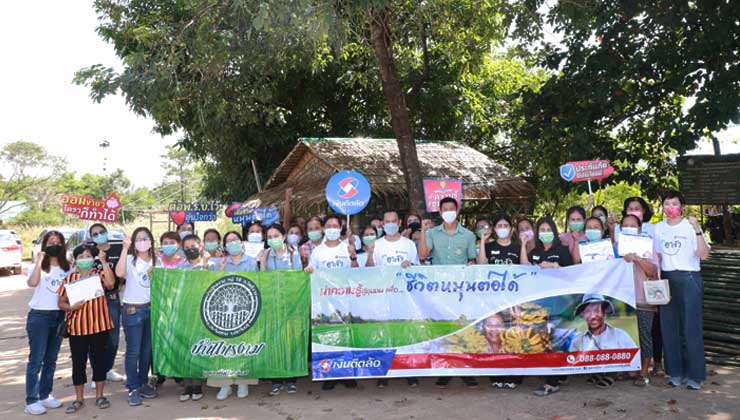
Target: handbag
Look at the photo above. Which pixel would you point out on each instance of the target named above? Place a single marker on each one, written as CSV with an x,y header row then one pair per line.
x,y
657,292
63,328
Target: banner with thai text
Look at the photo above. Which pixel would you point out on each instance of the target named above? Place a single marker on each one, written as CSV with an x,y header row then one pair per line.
x,y
473,320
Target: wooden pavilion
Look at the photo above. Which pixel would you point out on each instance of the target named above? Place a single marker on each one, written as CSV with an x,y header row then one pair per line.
x,y
488,187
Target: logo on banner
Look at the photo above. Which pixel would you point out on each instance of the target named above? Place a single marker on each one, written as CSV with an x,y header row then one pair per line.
x,y
348,192
568,172
344,364
586,170
230,306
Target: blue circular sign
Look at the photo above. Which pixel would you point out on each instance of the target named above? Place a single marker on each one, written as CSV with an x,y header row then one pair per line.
x,y
348,192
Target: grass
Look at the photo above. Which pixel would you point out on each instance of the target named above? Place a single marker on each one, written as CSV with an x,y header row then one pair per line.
x,y
381,334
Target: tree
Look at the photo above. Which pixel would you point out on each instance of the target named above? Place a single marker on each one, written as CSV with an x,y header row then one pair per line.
x,y
26,165
244,79
635,82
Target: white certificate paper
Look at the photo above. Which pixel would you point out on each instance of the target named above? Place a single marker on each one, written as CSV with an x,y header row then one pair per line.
x,y
640,245
253,248
596,251
85,289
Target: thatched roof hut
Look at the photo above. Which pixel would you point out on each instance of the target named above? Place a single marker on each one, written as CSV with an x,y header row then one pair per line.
x,y
487,185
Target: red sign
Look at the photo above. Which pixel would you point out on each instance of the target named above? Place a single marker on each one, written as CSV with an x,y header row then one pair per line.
x,y
88,208
586,170
437,189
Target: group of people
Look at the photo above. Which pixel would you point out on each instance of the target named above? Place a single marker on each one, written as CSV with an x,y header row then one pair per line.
x,y
328,243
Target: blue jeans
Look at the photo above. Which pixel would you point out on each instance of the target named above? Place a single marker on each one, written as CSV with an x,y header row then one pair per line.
x,y
681,325
137,328
114,309
44,343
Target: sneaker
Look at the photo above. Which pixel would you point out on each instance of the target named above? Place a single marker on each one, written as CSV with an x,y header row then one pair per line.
x,y
382,383
546,390
35,409
509,385
51,402
113,376
276,389
224,393
442,382
242,391
674,381
470,382
328,385
497,385
148,392
693,385
133,398
197,393
291,388
413,382
186,393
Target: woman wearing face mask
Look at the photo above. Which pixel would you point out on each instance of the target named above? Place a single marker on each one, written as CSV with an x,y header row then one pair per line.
x,y
413,222
170,242
255,233
482,226
185,229
369,236
609,223
295,236
333,253
595,231
525,227
644,268
576,223
234,261
681,247
315,234
135,265
212,244
280,256
501,251
639,208
547,253
88,325
194,260
43,321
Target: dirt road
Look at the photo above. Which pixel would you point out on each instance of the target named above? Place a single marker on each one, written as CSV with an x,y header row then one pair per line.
x,y
719,400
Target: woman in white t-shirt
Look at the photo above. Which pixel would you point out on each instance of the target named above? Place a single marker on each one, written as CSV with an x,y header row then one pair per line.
x,y
135,265
681,246
43,322
334,253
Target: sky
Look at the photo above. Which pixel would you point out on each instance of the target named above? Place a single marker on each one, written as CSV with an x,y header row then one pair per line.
x,y
42,44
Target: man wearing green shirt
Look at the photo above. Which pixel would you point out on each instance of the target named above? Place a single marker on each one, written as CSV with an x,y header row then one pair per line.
x,y
448,243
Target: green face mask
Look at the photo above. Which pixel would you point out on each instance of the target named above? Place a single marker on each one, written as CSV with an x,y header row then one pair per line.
x,y
480,232
367,240
234,247
380,231
85,263
603,220
275,243
546,237
576,226
314,235
211,246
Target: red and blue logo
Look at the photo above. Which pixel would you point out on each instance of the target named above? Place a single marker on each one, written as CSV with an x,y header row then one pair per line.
x,y
325,365
348,188
352,364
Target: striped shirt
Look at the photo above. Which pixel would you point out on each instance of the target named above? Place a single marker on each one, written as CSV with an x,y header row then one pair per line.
x,y
92,317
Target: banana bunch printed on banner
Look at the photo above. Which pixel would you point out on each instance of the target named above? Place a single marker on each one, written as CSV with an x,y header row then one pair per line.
x,y
468,340
528,331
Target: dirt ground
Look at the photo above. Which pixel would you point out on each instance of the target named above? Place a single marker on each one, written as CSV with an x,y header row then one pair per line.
x,y
719,400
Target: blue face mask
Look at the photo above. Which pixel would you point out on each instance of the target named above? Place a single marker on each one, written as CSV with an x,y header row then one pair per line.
x,y
101,238
169,250
593,234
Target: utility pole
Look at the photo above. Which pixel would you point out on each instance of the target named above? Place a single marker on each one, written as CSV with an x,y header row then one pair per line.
x,y
105,144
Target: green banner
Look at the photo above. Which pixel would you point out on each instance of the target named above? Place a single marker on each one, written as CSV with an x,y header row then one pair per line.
x,y
211,324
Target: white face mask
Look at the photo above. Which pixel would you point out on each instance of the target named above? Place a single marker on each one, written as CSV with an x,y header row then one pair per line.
x,y
293,239
332,234
449,216
254,237
630,231
185,233
391,228
503,233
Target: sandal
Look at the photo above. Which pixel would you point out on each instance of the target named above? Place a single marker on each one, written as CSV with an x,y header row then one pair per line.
x,y
604,382
546,390
74,406
102,402
641,381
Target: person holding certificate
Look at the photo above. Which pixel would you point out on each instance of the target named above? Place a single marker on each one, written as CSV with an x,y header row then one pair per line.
x,y
88,321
